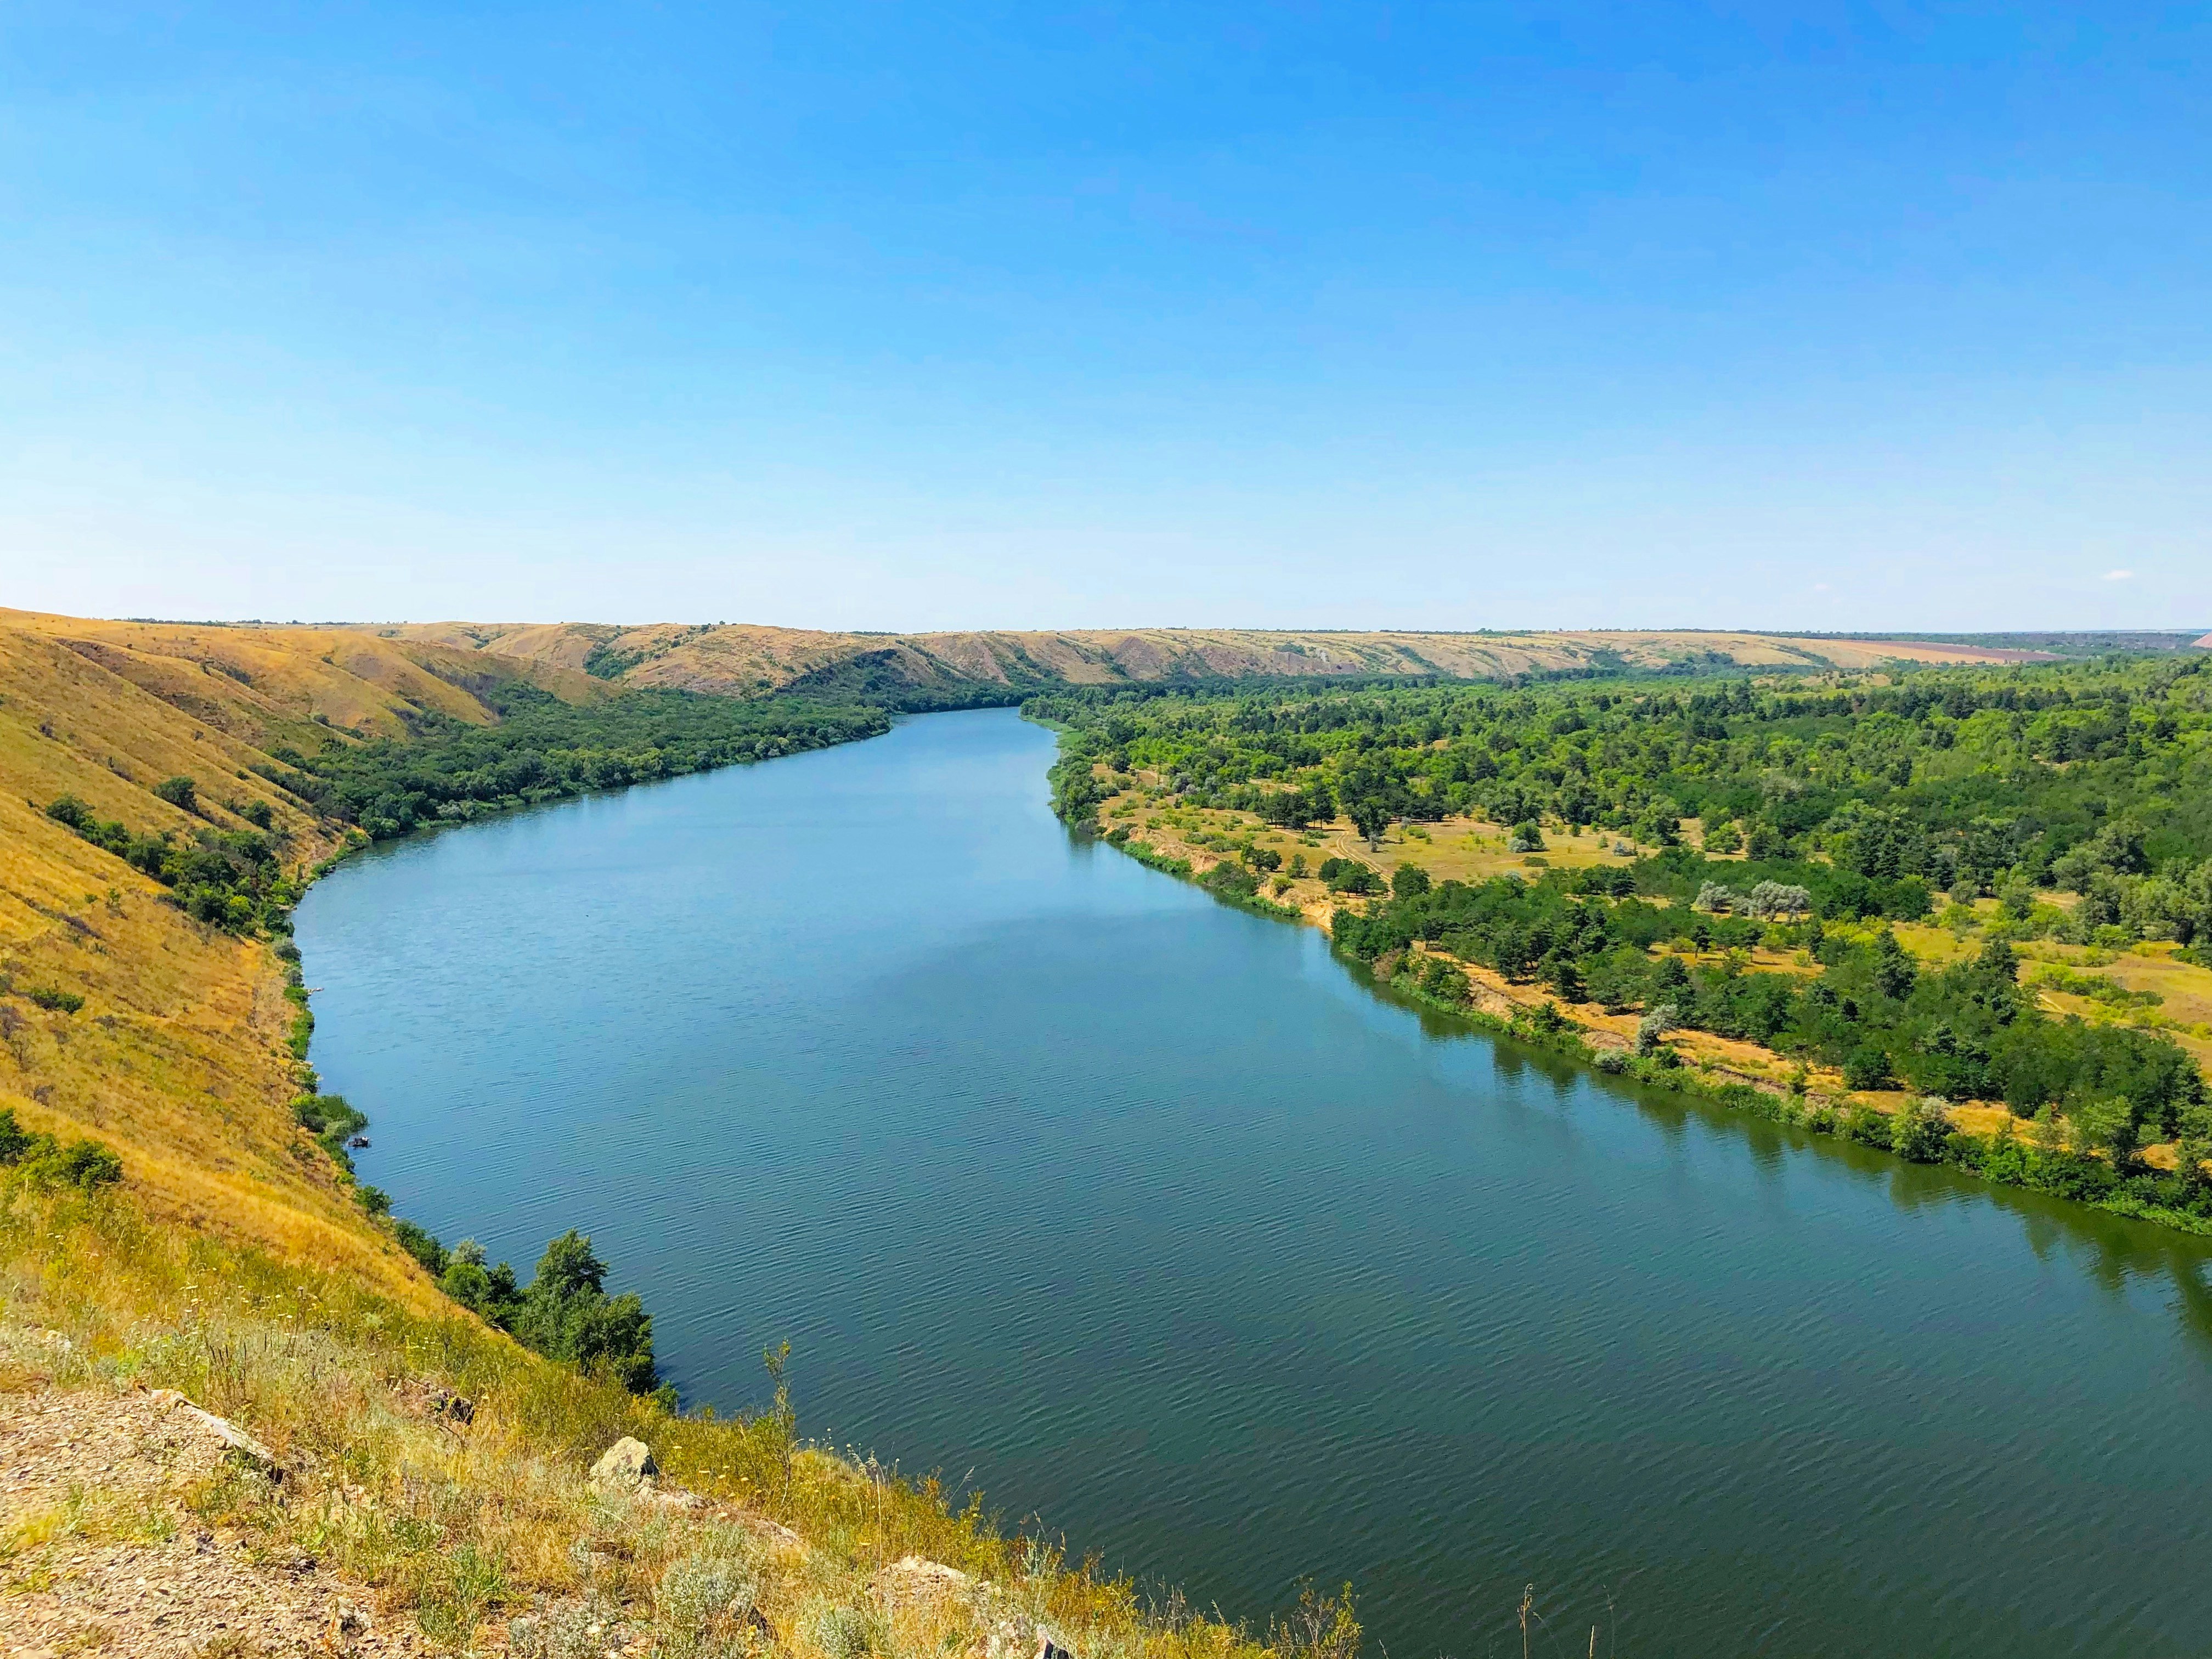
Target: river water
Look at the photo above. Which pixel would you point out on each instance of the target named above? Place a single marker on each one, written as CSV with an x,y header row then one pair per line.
x,y
1149,1218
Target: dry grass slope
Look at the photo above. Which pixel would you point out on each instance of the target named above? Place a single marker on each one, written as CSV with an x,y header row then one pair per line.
x,y
232,1266
746,660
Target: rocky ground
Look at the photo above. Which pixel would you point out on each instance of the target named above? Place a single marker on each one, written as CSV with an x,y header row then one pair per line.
x,y
101,1553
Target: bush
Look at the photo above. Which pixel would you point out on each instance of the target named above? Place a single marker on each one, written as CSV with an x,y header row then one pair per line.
x,y
1349,876
842,1632
81,1163
700,1606
1920,1133
85,1164
423,1246
1230,881
1866,1127
1868,1068
54,999
1445,983
180,792
1654,1025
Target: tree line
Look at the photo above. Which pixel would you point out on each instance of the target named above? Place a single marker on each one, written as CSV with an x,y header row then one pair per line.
x,y
1877,794
542,750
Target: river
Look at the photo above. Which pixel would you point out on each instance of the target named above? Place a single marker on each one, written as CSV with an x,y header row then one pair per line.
x,y
1149,1218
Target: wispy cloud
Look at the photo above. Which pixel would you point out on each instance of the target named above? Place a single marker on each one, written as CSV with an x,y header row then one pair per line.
x,y
2120,575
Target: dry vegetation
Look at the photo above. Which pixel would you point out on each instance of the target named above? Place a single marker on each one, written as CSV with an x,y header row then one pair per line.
x,y
746,660
232,1265
487,1533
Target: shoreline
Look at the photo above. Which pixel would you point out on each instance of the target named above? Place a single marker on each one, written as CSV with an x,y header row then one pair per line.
x,y
1976,1139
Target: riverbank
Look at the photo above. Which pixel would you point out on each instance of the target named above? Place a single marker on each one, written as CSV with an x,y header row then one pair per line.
x,y
433,1474
1152,1217
1274,872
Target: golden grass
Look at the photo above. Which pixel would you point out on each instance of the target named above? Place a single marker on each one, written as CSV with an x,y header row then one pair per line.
x,y
744,660
233,1266
464,1526
176,1059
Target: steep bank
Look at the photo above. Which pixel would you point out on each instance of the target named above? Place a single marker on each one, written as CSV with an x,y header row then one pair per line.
x,y
421,1467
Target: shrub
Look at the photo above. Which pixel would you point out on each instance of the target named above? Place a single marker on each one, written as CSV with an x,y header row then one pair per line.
x,y
1654,1025
85,1164
842,1633
1349,876
54,999
1444,981
700,1608
423,1246
1920,1132
180,792
1868,1068
1866,1127
1230,881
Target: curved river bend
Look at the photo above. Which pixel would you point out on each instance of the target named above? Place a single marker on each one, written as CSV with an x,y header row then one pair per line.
x,y
1169,1230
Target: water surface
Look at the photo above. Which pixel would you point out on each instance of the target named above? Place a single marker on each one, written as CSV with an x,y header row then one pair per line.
x,y
1147,1217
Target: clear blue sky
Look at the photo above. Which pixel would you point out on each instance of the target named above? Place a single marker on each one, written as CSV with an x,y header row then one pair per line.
x,y
926,315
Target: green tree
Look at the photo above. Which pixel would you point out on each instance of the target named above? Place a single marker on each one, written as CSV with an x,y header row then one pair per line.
x,y
1371,815
1868,1068
1561,973
1919,1131
1895,971
1444,981
567,1315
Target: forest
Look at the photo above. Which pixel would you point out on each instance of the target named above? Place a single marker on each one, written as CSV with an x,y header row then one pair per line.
x,y
449,771
1803,818
545,750
1876,793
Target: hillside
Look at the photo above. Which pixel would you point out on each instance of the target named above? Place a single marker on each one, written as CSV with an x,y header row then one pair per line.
x,y
388,1473
744,661
178,1058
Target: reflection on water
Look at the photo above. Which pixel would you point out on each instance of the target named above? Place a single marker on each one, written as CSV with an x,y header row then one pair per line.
x,y
2114,1251
1164,1226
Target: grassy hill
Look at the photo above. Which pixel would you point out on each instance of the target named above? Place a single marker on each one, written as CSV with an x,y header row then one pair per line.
x,y
235,1263
743,661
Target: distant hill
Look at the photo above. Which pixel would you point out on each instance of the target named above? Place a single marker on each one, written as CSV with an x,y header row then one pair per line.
x,y
746,661
2092,642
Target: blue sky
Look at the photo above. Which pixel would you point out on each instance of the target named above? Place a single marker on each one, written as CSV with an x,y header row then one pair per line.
x,y
923,316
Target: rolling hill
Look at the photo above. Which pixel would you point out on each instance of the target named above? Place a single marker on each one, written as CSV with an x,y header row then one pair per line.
x,y
744,661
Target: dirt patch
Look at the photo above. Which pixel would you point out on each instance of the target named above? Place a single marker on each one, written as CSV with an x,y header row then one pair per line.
x,y
101,1553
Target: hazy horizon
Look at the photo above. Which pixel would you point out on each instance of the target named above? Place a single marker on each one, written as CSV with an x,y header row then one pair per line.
x,y
1718,629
